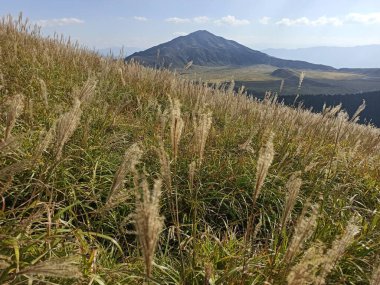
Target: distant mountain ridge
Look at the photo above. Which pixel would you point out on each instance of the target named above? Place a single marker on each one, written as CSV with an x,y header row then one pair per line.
x,y
117,51
206,49
367,56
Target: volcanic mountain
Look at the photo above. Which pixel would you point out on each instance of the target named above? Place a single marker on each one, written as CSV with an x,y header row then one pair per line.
x,y
206,49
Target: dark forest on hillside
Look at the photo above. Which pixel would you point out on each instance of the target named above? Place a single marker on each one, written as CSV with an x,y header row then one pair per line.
x,y
350,103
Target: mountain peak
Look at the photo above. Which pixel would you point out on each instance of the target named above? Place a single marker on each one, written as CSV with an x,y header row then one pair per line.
x,y
201,33
207,49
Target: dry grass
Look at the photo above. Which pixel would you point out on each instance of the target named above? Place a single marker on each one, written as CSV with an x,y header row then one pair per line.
x,y
73,181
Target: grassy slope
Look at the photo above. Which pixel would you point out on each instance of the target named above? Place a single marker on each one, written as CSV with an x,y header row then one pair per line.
x,y
54,207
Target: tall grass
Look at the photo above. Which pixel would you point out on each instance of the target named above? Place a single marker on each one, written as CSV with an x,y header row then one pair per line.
x,y
252,192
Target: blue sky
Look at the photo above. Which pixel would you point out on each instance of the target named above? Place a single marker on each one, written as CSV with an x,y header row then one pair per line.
x,y
258,24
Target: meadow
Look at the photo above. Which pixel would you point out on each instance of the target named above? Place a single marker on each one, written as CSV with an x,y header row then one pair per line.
x,y
258,79
114,173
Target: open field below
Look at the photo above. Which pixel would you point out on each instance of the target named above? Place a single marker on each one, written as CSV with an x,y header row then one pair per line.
x,y
259,79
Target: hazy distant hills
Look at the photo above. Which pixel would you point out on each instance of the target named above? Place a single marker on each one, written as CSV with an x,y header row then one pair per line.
x,y
116,51
352,57
207,49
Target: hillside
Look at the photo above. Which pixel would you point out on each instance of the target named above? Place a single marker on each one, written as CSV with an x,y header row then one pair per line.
x,y
205,49
349,103
114,173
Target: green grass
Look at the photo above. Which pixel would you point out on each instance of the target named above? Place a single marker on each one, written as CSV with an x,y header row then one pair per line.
x,y
70,219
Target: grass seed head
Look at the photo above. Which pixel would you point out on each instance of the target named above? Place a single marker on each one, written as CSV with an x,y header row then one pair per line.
x,y
176,126
130,160
86,92
360,109
304,229
305,271
148,221
44,93
202,125
66,126
302,77
338,248
15,107
375,280
67,268
165,166
293,187
265,159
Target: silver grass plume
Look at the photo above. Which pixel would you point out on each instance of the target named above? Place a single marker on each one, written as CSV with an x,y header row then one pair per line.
x,y
120,71
265,159
86,92
188,65
15,106
202,126
66,126
305,227
247,145
317,263
331,112
44,93
176,126
55,267
339,246
192,171
292,187
360,109
306,269
375,280
148,221
302,77
45,141
282,85
9,145
131,158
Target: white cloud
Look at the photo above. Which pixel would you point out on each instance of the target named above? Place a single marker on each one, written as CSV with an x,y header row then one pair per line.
x,y
176,20
321,21
139,18
292,22
368,19
231,21
177,34
201,19
264,20
59,22
227,20
304,21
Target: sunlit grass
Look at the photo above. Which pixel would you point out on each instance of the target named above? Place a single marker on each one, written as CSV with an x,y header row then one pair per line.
x,y
113,173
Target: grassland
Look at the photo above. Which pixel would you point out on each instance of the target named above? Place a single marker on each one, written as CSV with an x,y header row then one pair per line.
x,y
112,173
259,73
259,78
